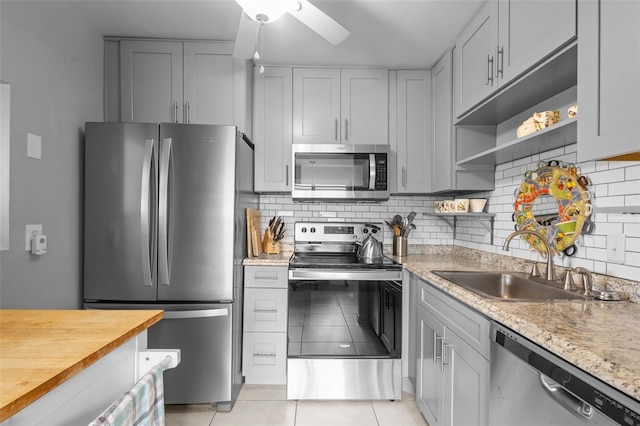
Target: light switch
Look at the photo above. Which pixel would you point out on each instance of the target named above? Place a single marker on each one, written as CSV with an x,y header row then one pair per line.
x,y
34,146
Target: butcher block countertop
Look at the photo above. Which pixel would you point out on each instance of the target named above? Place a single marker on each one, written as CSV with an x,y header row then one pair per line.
x,y
40,349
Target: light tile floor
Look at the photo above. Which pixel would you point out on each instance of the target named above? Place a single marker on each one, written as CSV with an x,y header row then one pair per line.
x,y
267,405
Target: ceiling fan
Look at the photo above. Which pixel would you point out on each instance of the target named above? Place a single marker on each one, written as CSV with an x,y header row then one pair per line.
x,y
260,12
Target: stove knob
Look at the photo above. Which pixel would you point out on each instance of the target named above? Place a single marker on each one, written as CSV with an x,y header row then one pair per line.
x,y
303,230
365,231
313,230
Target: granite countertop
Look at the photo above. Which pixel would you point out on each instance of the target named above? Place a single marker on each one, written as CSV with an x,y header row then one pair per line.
x,y
598,337
280,259
40,349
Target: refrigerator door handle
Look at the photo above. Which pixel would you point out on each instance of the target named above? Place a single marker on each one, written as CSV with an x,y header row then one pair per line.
x,y
202,313
145,213
163,228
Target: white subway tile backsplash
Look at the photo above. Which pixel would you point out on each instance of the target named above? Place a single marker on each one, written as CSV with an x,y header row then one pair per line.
x,y
612,184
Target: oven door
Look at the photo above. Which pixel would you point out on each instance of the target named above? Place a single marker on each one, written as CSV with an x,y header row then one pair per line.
x,y
336,348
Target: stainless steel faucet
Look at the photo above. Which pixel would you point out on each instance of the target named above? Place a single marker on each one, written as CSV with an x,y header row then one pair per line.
x,y
551,269
587,280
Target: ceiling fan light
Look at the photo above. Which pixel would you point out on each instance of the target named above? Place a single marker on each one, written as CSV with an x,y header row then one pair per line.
x,y
267,10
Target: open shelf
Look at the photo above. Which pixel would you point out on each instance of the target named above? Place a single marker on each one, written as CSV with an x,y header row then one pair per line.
x,y
555,136
481,218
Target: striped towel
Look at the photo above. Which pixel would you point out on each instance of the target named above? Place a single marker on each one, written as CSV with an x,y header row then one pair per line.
x,y
143,405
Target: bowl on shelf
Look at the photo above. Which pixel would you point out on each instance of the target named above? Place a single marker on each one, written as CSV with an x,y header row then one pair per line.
x,y
476,205
461,205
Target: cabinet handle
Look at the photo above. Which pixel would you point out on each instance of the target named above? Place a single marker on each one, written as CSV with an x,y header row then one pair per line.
x,y
489,70
266,277
336,126
175,112
404,177
286,175
270,355
500,70
435,345
444,346
266,310
346,129
188,109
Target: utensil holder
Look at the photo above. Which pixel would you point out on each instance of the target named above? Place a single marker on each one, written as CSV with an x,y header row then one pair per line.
x,y
400,244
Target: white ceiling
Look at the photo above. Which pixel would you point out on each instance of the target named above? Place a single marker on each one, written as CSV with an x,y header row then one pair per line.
x,y
398,33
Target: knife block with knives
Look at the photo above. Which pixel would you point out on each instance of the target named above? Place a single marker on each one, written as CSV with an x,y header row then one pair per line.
x,y
272,236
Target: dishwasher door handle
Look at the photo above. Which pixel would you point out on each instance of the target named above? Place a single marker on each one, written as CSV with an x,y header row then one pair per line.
x,y
566,399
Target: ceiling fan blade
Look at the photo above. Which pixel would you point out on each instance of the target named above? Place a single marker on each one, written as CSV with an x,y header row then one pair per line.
x,y
246,37
320,22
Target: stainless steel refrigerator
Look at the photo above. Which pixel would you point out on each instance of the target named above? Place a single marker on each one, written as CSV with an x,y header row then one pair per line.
x,y
165,228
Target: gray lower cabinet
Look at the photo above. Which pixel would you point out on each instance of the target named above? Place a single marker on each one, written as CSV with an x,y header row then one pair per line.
x,y
452,365
264,338
608,80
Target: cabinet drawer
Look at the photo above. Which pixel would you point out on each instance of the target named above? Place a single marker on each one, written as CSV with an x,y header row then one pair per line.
x,y
265,309
264,354
469,325
266,276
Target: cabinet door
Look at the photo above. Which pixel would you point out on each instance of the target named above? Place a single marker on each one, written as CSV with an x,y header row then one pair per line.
x,y
608,83
151,81
466,382
529,31
208,83
273,129
475,59
414,141
365,106
316,105
264,355
443,160
430,395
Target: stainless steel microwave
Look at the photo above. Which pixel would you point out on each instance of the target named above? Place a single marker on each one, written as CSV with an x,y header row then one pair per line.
x,y
340,172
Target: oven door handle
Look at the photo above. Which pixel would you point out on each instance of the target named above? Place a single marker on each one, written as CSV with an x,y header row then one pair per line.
x,y
337,274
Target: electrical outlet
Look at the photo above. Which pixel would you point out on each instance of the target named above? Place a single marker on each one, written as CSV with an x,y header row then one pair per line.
x,y
31,231
615,248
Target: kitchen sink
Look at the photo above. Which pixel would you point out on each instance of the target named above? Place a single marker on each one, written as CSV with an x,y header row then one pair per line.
x,y
512,286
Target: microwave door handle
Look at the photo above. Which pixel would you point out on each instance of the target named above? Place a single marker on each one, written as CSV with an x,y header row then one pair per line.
x,y
372,172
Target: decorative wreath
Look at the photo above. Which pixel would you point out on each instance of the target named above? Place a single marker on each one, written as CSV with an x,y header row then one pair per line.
x,y
572,198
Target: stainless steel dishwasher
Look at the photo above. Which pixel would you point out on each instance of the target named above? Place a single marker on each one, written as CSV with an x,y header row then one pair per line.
x,y
531,386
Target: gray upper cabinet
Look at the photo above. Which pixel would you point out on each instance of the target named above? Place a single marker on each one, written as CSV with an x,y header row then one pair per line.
x,y
608,82
443,160
178,82
364,106
151,81
414,136
316,105
340,106
505,39
475,58
208,83
273,129
529,31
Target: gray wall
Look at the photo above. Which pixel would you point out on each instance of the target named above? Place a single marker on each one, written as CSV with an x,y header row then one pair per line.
x,y
53,61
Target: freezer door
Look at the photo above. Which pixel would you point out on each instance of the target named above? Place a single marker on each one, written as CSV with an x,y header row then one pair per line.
x,y
120,211
204,335
196,212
